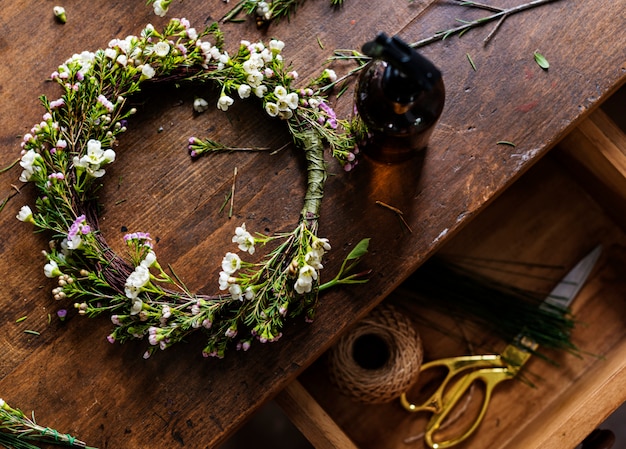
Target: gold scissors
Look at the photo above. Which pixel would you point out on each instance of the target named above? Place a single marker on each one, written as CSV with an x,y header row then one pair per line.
x,y
464,371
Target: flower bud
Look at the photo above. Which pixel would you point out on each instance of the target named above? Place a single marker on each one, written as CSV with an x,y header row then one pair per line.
x,y
59,13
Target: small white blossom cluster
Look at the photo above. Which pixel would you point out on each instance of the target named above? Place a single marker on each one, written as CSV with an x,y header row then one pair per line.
x,y
260,66
31,162
79,64
231,263
93,161
308,272
140,278
263,11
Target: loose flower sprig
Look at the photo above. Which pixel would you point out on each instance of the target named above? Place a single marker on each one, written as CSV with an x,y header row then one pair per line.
x,y
67,154
19,432
265,12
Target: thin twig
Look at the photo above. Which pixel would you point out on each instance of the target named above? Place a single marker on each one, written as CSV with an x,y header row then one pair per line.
x,y
10,166
495,29
232,194
501,14
480,5
398,212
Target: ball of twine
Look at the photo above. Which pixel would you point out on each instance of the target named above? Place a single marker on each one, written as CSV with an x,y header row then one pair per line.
x,y
399,371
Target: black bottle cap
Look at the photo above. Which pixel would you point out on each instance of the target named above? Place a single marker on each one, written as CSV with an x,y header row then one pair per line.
x,y
407,74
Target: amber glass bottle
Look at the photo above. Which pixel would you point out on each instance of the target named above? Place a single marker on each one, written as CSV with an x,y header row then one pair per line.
x,y
399,96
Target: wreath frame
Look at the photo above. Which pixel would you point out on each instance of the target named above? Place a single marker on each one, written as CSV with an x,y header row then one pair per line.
x,y
66,154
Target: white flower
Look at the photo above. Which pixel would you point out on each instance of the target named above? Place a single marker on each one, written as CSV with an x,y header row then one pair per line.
x,y
314,259
236,292
226,280
255,78
110,53
292,100
160,7
85,59
97,155
276,46
231,263
330,74
74,242
136,307
51,269
271,109
280,92
252,65
192,34
224,102
285,114
244,91
122,60
306,276
244,239
215,53
249,293
147,71
136,281
260,91
59,13
25,214
320,244
30,163
149,260
200,105
147,31
161,49
262,8
224,58
94,158
266,54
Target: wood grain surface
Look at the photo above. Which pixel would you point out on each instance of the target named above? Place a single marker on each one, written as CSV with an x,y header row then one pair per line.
x,y
107,394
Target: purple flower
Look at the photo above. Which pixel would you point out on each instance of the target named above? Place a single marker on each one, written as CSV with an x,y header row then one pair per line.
x,y
79,226
62,313
141,238
328,110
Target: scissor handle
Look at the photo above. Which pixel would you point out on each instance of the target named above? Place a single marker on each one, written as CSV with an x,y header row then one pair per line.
x,y
455,366
490,377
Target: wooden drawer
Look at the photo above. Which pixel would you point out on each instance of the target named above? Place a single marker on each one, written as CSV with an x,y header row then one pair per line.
x,y
570,201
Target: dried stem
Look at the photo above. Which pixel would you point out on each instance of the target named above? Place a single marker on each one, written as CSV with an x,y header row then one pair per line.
x,y
500,14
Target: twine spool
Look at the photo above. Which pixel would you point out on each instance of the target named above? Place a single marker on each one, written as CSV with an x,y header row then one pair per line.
x,y
379,359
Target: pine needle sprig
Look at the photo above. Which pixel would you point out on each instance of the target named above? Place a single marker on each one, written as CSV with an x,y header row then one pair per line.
x,y
506,310
20,432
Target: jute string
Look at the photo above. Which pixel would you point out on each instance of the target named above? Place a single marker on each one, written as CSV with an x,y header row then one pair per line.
x,y
399,371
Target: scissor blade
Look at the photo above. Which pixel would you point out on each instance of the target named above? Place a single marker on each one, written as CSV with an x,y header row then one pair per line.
x,y
565,291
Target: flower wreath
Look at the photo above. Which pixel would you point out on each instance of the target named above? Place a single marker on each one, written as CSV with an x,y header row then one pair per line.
x,y
67,153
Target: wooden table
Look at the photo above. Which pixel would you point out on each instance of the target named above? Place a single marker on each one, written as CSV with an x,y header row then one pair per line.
x,y
107,394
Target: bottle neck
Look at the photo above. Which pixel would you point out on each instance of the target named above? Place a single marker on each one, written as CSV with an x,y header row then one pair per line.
x,y
398,87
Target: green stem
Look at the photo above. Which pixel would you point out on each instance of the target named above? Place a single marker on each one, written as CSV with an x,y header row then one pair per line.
x,y
316,177
501,14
